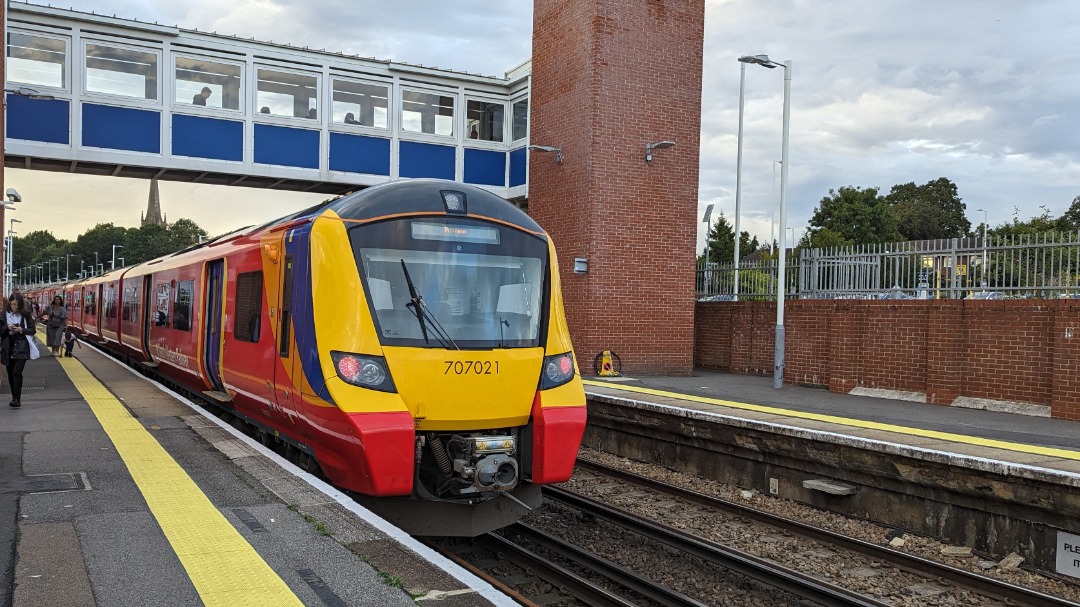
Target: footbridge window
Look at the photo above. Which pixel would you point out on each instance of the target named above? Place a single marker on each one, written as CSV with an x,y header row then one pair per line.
x,y
484,120
287,94
427,113
207,83
37,60
126,72
359,103
521,119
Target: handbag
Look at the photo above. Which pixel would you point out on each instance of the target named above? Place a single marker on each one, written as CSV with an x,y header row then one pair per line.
x,y
34,354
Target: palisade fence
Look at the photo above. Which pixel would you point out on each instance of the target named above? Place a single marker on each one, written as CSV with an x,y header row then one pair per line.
x,y
1043,265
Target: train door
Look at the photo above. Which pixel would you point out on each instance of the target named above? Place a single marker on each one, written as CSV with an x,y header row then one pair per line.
x,y
288,373
212,336
146,319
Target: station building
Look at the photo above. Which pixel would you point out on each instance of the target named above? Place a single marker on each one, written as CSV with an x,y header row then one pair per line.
x,y
609,104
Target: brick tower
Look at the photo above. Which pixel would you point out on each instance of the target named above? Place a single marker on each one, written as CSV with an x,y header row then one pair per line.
x,y
608,77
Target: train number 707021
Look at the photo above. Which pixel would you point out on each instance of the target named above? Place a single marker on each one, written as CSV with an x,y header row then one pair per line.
x,y
471,367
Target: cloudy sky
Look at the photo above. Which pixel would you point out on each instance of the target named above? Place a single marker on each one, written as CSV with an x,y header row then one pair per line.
x,y
984,93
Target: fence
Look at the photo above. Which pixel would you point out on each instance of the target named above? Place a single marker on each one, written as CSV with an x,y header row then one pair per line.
x,y
1043,265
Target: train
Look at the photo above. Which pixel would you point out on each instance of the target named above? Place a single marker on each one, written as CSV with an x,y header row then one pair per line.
x,y
408,342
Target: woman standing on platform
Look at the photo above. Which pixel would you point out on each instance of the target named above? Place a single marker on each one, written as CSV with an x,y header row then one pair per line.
x,y
15,348
55,318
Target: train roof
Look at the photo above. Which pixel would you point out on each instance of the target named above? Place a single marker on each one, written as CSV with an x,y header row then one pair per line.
x,y
426,196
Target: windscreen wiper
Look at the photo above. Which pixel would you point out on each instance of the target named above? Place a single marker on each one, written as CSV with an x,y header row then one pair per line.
x,y
416,302
420,309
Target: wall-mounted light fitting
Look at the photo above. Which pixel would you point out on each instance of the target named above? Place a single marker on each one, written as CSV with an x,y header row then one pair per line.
x,y
581,265
659,145
548,148
13,195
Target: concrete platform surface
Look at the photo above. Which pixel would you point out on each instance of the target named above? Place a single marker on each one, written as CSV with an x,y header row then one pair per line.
x,y
77,526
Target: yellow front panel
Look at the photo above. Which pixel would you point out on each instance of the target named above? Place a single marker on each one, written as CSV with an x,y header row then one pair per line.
x,y
466,389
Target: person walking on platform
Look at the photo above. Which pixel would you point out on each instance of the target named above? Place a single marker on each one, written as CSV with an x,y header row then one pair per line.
x,y
15,346
55,318
70,339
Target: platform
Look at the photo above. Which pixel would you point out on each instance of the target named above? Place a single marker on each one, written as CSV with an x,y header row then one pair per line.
x,y
128,495
998,483
963,433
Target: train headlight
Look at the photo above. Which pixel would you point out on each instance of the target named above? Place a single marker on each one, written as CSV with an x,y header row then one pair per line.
x,y
364,371
558,370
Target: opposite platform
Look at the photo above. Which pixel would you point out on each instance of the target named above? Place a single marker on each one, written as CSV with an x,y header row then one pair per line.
x,y
126,495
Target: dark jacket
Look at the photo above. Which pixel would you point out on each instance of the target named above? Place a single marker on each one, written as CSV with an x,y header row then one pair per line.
x,y
14,345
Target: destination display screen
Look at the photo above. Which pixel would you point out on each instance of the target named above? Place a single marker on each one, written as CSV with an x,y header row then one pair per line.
x,y
455,233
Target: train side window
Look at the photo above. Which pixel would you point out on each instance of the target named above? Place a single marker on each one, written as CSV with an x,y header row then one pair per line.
x,y
286,307
248,306
484,120
196,76
121,71
37,60
110,301
161,305
182,305
521,119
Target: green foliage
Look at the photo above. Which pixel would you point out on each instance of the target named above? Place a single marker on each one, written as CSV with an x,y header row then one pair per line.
x,y
929,211
1070,220
824,238
134,245
857,215
721,240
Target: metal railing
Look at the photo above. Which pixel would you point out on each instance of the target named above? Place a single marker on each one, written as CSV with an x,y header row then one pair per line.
x,y
1042,266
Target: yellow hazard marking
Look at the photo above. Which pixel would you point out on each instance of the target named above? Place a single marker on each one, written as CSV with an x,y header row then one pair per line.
x,y
224,568
857,423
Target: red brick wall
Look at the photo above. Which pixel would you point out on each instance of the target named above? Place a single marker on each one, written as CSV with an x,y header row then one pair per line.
x,y
1017,350
607,78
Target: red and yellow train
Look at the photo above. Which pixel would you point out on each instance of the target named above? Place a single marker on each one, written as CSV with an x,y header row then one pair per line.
x,y
409,339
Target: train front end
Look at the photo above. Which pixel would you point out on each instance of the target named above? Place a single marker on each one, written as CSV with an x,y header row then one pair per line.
x,y
452,355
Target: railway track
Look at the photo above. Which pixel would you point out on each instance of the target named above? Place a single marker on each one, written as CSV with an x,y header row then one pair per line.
x,y
984,586
539,568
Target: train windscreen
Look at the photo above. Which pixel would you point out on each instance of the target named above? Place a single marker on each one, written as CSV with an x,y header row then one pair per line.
x,y
453,282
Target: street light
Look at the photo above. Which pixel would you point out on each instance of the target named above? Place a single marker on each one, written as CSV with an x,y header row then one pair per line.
x,y
112,266
984,267
778,349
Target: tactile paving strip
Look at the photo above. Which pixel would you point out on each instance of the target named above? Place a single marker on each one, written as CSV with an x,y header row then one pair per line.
x,y
847,421
224,568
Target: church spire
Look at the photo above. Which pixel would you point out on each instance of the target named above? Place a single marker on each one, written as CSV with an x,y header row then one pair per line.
x,y
153,207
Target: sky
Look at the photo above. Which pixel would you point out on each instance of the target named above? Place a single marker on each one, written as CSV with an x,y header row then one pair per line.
x,y
986,94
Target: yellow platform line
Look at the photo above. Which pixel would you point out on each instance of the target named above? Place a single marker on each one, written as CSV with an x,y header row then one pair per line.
x,y
846,421
224,568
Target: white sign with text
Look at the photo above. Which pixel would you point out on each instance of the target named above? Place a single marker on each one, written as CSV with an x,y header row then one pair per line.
x,y
1068,554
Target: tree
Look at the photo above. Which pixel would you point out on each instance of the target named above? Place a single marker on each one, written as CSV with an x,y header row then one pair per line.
x,y
823,238
184,232
1070,220
98,239
146,243
721,239
857,215
33,248
929,211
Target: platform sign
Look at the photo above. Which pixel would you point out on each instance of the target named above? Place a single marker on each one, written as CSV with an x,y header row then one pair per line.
x,y
1068,554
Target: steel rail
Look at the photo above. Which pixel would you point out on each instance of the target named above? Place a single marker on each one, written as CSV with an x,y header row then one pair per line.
x,y
980,584
581,588
626,578
772,574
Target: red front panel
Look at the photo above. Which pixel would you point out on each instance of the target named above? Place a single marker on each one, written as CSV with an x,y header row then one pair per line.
x,y
370,453
557,433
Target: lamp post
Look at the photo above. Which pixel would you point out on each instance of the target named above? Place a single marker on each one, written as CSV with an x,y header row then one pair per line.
x,y
97,264
112,265
778,349
707,220
984,267
738,172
